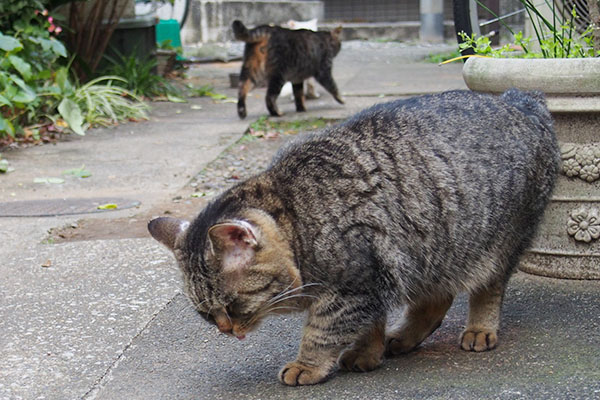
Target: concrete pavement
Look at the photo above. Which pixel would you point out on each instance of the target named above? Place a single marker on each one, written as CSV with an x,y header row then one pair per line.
x,y
107,320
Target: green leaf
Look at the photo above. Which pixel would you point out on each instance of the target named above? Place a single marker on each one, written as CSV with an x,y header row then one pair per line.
x,y
58,47
9,43
6,127
71,113
26,95
79,172
20,65
4,101
3,166
48,180
109,206
62,79
175,99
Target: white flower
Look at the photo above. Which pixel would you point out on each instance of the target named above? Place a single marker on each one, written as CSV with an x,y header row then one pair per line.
x,y
571,167
584,224
589,173
585,156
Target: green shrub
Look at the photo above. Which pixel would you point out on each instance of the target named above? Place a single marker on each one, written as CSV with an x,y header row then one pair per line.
x,y
29,55
139,76
98,102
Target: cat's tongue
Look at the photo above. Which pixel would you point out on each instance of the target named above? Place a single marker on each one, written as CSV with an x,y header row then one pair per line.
x,y
241,337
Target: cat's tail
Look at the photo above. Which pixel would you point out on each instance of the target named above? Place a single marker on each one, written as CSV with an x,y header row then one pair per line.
x,y
249,36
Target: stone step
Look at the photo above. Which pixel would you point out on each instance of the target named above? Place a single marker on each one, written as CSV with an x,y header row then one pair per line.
x,y
392,31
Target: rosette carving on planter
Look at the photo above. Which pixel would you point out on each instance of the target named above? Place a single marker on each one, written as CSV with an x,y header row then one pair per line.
x,y
581,161
584,224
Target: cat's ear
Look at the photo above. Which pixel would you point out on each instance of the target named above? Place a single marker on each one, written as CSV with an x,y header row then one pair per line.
x,y
166,230
234,243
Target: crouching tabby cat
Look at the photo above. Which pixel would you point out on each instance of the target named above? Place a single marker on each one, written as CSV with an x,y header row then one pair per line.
x,y
405,204
278,55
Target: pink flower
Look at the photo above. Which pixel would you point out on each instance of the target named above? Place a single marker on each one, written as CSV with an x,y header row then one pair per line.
x,y
51,28
58,30
45,12
50,19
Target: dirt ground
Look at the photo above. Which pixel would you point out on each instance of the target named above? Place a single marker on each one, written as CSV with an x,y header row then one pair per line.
x,y
247,157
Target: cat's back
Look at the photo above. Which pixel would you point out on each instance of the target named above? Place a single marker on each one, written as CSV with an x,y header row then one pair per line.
x,y
447,178
429,160
461,125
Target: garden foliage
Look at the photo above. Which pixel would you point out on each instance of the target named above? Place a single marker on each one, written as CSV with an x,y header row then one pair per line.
x,y
37,87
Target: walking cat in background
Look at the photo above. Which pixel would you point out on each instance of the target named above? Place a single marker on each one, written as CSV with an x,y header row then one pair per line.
x,y
309,84
405,204
276,55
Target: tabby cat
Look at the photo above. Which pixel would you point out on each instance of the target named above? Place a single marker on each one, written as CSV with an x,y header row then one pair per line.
x,y
405,204
276,55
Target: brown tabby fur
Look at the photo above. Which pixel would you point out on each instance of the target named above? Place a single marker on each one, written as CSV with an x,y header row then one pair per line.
x,y
406,205
277,55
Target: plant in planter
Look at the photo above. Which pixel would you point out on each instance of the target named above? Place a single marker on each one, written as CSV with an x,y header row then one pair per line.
x,y
165,57
565,65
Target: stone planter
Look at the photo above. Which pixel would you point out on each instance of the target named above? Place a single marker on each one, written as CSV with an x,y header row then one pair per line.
x,y
567,244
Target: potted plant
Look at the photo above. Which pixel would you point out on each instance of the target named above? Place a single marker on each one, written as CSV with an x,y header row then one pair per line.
x,y
565,65
165,57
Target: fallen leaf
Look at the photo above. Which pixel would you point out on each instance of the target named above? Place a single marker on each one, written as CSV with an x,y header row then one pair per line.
x,y
109,206
175,99
48,180
79,172
47,264
196,107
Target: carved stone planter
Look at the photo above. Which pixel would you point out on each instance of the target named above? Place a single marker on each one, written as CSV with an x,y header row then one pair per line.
x,y
567,244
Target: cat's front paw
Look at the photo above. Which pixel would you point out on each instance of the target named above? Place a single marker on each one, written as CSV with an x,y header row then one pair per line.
x,y
478,340
295,373
360,360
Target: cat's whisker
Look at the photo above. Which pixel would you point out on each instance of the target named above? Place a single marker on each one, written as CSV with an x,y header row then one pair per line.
x,y
286,292
293,296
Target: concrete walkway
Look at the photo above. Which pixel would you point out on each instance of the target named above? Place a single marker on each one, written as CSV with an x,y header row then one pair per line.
x,y
105,319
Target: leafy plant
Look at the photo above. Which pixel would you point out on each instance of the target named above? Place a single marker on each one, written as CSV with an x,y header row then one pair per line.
x,y
28,54
556,38
441,57
139,76
167,44
98,102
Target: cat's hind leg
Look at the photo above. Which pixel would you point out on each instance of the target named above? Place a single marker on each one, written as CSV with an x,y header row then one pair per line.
x,y
481,333
418,322
299,96
326,80
244,87
366,353
275,84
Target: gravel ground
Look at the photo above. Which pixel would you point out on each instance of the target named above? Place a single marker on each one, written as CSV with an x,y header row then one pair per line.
x,y
247,157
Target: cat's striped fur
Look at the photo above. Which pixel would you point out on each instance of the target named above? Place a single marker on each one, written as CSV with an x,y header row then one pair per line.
x,y
278,55
406,204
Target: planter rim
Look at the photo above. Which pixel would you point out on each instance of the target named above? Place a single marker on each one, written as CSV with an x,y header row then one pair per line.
x,y
560,76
